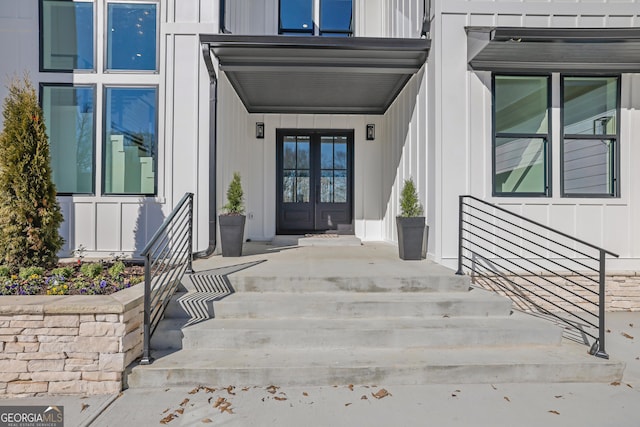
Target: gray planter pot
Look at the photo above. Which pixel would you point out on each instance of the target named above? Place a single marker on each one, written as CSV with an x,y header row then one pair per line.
x,y
231,234
411,235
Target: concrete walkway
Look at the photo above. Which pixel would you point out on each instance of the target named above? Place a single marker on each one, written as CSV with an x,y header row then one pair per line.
x,y
372,404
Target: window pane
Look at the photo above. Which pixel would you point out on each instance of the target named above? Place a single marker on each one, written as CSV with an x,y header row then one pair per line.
x,y
340,186
587,166
521,104
326,153
303,153
289,153
519,164
302,186
590,105
69,116
296,15
288,186
335,15
132,40
67,35
130,141
340,153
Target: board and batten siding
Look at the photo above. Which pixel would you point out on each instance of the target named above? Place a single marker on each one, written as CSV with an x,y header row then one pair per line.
x,y
464,134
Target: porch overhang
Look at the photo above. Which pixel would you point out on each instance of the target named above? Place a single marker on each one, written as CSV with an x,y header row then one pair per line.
x,y
283,74
583,50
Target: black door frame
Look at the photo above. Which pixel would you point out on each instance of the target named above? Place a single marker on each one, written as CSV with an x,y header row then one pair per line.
x,y
315,135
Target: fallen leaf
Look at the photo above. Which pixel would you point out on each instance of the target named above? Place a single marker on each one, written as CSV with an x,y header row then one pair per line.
x,y
364,397
629,385
304,393
219,402
615,383
624,334
246,388
184,402
195,390
347,404
381,394
167,419
608,331
167,389
507,399
230,390
494,387
272,389
207,420
280,398
226,407
210,390
180,411
209,399
350,387
445,316
165,411
558,397
454,395
554,412
631,325
84,406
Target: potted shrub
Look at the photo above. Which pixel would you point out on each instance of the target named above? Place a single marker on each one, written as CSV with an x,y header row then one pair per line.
x,y
410,223
232,219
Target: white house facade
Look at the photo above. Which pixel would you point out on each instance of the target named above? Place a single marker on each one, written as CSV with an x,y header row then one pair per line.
x,y
325,107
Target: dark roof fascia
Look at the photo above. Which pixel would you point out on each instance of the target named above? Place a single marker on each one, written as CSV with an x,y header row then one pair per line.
x,y
566,35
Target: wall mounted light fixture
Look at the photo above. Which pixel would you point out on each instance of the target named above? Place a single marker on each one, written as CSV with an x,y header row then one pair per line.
x,y
371,132
260,130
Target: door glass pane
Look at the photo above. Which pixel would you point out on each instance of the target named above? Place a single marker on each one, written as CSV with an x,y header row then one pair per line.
x,y
335,15
67,35
302,186
340,153
590,105
326,186
519,164
340,186
131,36
521,104
303,153
288,186
326,153
69,116
587,166
289,153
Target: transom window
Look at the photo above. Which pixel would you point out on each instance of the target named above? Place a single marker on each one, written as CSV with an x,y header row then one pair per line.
x,y
132,36
301,18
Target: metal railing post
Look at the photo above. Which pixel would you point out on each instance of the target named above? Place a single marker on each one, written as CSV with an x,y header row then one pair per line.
x,y
146,351
601,352
190,248
460,272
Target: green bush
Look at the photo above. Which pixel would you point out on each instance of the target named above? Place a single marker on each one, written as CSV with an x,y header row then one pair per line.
x,y
235,203
92,270
29,212
409,203
65,272
116,269
27,272
4,271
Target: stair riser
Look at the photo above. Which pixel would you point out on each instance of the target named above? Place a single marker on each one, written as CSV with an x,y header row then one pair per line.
x,y
387,338
308,308
350,284
406,375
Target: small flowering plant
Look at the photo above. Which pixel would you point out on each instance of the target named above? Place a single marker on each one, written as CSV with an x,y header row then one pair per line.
x,y
85,279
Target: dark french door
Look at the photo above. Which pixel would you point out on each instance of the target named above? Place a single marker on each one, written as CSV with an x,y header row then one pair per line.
x,y
314,180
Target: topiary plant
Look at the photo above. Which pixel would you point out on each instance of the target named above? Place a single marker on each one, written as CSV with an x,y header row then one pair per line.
x,y
235,202
409,203
29,212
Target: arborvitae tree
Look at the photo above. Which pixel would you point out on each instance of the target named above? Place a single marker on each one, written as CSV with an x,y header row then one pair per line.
x,y
235,203
29,212
409,202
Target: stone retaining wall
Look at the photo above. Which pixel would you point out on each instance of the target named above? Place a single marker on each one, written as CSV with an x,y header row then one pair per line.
x,y
622,291
69,344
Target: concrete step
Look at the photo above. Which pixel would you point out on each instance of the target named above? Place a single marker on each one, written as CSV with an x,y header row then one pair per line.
x,y
389,366
476,302
517,330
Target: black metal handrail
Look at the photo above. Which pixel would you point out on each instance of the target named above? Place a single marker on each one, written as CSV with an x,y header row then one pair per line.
x,y
167,257
534,263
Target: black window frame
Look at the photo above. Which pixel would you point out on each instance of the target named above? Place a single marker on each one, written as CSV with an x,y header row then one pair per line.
x,y
548,149
94,87
41,66
614,185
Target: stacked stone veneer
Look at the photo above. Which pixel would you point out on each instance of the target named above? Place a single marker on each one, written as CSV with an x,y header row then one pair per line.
x,y
622,291
68,344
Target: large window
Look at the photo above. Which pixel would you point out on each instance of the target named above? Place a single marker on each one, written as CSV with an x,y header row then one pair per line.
x,y
69,116
590,136
521,135
130,140
297,17
66,34
132,36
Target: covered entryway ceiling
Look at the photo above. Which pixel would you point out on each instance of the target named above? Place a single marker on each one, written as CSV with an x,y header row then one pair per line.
x,y
283,74
588,50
